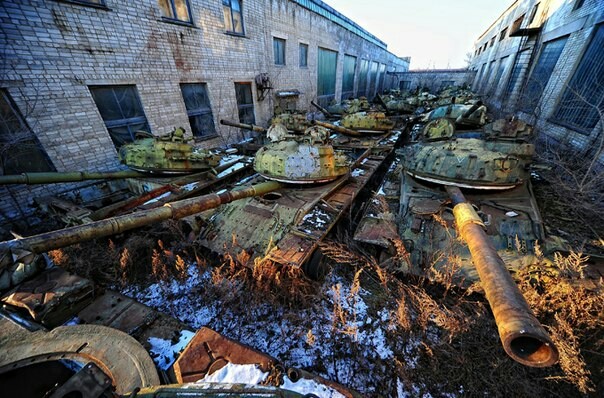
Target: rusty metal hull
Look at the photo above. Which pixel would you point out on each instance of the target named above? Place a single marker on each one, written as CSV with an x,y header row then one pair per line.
x,y
522,336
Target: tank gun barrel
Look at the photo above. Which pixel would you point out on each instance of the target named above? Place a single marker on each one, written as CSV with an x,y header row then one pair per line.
x,y
56,239
338,129
72,176
523,337
251,127
323,110
472,109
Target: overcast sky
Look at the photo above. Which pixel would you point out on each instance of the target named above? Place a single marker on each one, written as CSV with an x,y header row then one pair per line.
x,y
434,33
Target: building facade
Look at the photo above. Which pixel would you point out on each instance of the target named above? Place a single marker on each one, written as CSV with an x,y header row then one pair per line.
x,y
80,77
544,61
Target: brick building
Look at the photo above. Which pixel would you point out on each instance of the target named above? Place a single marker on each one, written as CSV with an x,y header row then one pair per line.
x,y
79,77
434,79
543,60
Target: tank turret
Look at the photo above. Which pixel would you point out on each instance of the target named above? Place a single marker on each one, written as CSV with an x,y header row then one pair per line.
x,y
305,159
166,154
367,122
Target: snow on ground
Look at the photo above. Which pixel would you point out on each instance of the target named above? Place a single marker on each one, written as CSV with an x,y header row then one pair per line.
x,y
164,352
356,353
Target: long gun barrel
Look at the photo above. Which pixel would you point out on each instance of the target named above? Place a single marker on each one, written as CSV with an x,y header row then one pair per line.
x,y
522,336
472,109
323,110
251,127
56,239
50,177
338,129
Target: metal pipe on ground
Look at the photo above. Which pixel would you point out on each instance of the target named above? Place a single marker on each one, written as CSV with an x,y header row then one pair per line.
x,y
523,337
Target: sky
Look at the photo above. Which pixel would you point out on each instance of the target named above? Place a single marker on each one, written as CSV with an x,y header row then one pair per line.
x,y
434,33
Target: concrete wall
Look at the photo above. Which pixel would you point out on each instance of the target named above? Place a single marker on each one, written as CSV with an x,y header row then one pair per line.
x,y
54,50
435,78
554,19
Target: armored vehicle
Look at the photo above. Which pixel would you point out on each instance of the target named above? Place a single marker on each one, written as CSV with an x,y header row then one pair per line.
x,y
464,116
412,219
169,154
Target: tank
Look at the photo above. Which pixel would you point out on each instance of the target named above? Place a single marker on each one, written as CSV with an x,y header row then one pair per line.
x,y
367,122
292,121
464,116
498,158
285,227
167,154
396,104
305,159
414,218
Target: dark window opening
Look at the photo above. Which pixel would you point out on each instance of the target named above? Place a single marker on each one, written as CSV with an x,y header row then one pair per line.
x,y
533,13
503,34
578,4
279,50
517,24
404,85
582,103
350,64
541,73
363,70
121,110
233,16
245,103
303,55
199,110
373,75
20,150
177,10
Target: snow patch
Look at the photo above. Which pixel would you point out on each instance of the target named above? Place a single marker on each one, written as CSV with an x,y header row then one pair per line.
x,y
164,352
240,374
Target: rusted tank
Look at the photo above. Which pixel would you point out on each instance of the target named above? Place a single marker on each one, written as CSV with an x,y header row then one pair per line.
x,y
286,227
412,220
292,121
306,159
167,154
464,116
19,258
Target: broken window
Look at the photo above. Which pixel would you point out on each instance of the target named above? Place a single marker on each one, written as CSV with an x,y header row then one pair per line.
x,y
279,50
517,24
578,4
245,103
516,70
404,85
303,55
20,150
492,41
350,63
502,64
363,70
583,100
121,110
199,111
541,73
175,9
233,19
326,76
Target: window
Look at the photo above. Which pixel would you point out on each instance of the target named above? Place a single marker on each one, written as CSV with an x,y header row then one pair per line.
x,y
326,76
502,64
197,102
533,13
578,4
245,103
94,3
303,55
541,73
404,85
177,10
373,74
381,78
279,51
492,41
20,150
503,34
478,81
363,70
517,24
121,110
350,64
485,81
516,70
583,100
233,20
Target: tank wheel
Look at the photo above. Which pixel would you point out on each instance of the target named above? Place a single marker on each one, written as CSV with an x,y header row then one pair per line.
x,y
316,267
